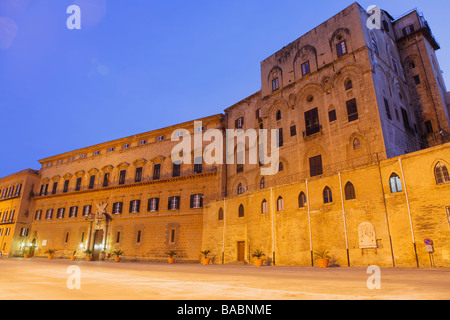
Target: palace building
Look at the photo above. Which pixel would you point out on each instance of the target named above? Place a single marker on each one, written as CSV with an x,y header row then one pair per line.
x,y
363,133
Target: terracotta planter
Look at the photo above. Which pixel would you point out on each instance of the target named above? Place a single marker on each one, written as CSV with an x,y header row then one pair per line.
x,y
171,260
259,262
88,258
50,257
205,261
72,258
323,263
26,256
117,259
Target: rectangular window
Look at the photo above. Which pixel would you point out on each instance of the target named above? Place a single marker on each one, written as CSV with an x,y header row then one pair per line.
x,y
96,153
275,84
341,48
78,185
157,172
18,189
49,214
55,187
429,127
198,165
126,146
122,177
312,122
67,238
66,186
5,191
106,180
11,216
408,30
352,110
87,211
138,238
153,205
259,114
73,212
43,192
60,213
117,208
138,175
118,237
305,68
135,206
37,215
174,203
142,142
417,80
315,166
176,171
239,123
196,201
111,149
172,236
7,232
332,115
280,137
92,182
160,138
293,131
388,110
264,207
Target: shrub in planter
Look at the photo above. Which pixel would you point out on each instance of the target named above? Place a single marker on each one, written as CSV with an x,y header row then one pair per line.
x,y
258,254
322,258
171,258
205,259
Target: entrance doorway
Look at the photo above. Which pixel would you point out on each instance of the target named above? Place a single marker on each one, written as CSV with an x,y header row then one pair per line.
x,y
241,251
98,244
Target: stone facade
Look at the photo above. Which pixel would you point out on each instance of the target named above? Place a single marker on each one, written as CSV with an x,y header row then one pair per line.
x,y
356,110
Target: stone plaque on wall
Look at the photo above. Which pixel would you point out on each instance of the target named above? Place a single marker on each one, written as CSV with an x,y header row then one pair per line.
x,y
367,236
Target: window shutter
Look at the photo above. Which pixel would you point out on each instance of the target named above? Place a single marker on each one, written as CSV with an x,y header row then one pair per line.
x,y
192,201
178,202
201,201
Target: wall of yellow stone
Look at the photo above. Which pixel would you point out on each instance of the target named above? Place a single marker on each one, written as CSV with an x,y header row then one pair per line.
x,y
287,232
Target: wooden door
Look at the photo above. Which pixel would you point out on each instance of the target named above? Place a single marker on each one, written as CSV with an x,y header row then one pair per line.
x,y
98,244
241,250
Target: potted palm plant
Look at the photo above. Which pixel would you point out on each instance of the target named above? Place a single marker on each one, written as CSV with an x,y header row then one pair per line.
x,y
26,252
88,253
171,258
117,254
258,254
73,255
205,259
322,258
50,253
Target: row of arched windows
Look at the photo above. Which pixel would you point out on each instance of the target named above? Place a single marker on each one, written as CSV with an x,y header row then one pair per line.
x,y
395,184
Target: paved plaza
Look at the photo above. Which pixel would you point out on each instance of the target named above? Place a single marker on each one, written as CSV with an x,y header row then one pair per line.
x,y
44,279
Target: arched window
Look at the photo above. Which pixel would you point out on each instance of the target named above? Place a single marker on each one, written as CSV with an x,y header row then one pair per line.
x,y
220,214
348,84
441,174
241,211
395,183
264,207
327,195
302,200
356,144
280,204
350,191
278,115
262,183
240,189
280,167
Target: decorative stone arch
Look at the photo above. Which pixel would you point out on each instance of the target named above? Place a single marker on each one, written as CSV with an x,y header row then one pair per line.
x,y
158,159
56,178
123,166
305,53
407,63
240,180
140,162
383,76
276,72
279,104
338,36
108,168
80,174
312,151
285,163
67,176
314,89
45,180
93,171
364,146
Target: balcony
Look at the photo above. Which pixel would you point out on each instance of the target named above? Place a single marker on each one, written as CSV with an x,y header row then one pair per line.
x,y
312,131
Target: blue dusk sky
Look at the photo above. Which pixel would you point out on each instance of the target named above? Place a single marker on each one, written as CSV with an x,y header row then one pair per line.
x,y
140,65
